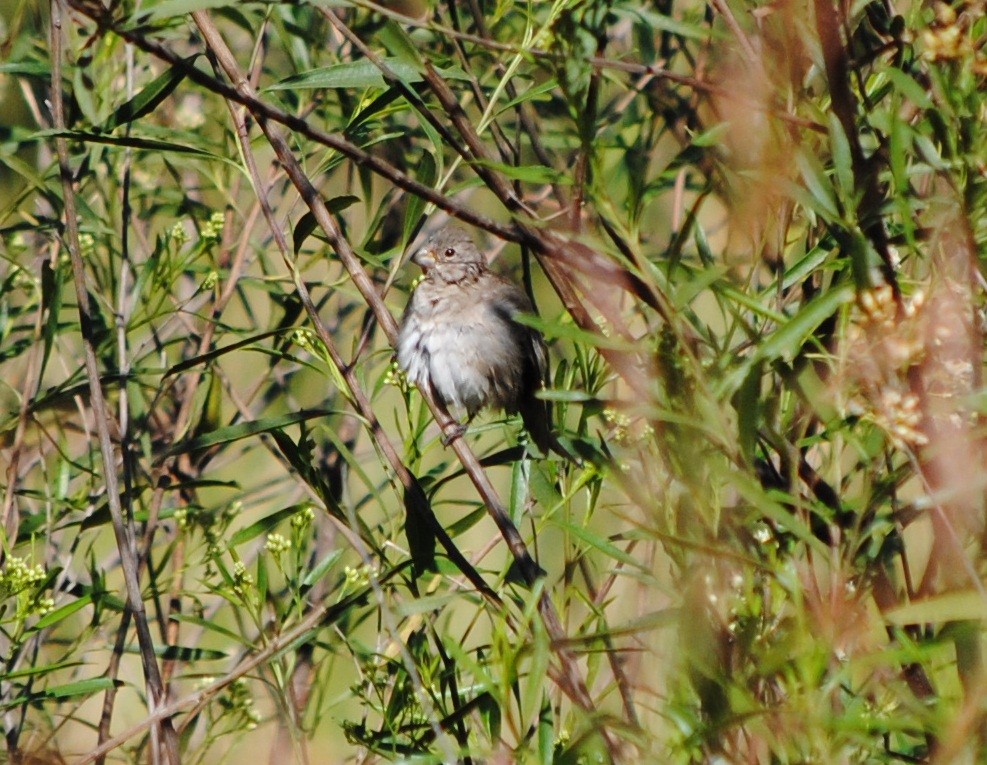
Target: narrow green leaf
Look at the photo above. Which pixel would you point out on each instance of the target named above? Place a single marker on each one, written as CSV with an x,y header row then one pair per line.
x,y
909,88
69,690
129,141
307,224
819,186
541,92
949,607
602,544
26,68
659,22
842,159
425,173
713,136
265,524
322,568
62,612
399,44
245,430
43,669
212,626
170,8
150,96
527,173
205,358
786,341
352,74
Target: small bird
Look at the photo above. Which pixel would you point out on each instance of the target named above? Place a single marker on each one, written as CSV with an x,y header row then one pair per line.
x,y
459,335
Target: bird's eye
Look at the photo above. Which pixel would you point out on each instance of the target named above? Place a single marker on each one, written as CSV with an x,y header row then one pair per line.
x,y
450,252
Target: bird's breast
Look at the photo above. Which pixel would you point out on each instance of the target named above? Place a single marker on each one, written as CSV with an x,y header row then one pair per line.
x,y
462,348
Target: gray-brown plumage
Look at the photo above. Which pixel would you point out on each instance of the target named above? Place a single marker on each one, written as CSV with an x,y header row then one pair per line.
x,y
459,335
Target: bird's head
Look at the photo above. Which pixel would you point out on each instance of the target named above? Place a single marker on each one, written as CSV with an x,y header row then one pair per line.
x,y
450,254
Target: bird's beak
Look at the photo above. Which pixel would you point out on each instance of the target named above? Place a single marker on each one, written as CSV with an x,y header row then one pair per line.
x,y
425,257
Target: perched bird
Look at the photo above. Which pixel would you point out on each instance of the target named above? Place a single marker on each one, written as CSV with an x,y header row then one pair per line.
x,y
459,335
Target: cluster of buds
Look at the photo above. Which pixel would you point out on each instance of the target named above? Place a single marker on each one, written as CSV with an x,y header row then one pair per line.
x,y
624,430
178,234
213,228
357,577
303,518
243,580
886,340
305,339
899,415
239,704
395,376
21,580
949,39
277,545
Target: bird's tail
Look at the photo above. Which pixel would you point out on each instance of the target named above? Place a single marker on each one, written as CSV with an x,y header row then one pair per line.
x,y
536,414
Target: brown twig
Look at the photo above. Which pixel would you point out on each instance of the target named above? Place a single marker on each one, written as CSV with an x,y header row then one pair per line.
x,y
845,107
122,527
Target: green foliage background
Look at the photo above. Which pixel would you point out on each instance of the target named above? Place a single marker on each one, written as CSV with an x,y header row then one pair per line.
x,y
755,233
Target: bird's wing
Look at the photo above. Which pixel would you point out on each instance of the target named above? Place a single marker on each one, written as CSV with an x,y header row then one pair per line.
x,y
511,301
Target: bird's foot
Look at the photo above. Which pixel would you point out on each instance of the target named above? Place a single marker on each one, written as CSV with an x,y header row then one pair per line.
x,y
456,432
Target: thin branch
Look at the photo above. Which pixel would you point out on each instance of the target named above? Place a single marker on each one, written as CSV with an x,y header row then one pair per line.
x,y
122,528
845,107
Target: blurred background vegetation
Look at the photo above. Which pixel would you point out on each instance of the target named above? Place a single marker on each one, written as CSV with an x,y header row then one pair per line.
x,y
754,232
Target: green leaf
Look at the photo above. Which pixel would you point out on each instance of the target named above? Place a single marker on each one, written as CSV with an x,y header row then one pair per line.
x,y
170,8
659,22
205,358
266,523
602,544
130,141
150,96
546,735
909,88
40,670
819,186
307,224
541,92
842,159
949,607
526,173
786,341
26,68
714,136
182,653
244,430
399,44
555,330
425,174
747,402
419,529
67,691
813,259
211,625
62,612
51,303
352,74
490,715
322,568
